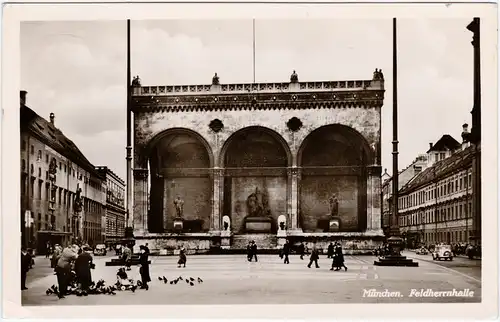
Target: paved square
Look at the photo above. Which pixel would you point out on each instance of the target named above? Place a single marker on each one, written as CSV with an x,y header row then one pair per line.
x,y
230,279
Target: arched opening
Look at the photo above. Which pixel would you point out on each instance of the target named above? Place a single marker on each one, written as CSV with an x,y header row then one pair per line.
x,y
332,193
179,162
255,182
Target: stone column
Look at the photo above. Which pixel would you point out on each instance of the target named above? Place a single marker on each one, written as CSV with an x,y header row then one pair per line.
x,y
293,196
218,182
140,210
373,199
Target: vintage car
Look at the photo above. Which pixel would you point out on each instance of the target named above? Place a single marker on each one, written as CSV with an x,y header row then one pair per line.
x,y
442,251
422,251
100,250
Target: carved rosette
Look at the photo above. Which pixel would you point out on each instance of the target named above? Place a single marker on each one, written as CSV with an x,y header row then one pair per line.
x,y
294,124
216,125
141,173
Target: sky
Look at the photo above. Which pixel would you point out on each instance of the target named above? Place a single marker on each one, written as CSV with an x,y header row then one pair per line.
x,y
77,70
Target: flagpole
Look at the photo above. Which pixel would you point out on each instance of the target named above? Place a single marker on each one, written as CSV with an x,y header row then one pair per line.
x,y
395,174
129,221
253,36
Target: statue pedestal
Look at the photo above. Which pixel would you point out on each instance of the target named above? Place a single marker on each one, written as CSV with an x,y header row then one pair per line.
x,y
225,239
334,224
258,224
178,224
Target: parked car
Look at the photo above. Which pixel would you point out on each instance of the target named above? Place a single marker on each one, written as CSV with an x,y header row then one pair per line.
x,y
100,250
442,251
422,251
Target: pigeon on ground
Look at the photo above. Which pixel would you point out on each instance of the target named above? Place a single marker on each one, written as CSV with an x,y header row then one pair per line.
x,y
200,280
171,282
191,284
180,277
187,281
192,279
159,278
133,288
165,280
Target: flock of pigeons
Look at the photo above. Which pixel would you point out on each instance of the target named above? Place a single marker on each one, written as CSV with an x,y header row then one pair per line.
x,y
190,280
101,288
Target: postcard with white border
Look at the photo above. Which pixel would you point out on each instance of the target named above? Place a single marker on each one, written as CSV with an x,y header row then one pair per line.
x,y
265,160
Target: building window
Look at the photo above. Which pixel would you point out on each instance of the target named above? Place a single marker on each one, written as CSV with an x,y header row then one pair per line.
x,y
39,190
39,157
32,150
23,165
64,168
32,169
23,145
470,180
47,158
39,172
60,166
441,156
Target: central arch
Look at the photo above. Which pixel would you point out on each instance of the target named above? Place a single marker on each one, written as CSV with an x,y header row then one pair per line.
x,y
255,161
333,161
180,162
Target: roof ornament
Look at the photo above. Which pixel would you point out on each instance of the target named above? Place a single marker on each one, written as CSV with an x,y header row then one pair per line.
x,y
294,78
377,74
215,80
136,81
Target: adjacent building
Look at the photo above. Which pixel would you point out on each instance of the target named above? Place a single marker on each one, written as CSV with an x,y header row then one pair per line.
x,y
417,166
62,194
435,206
114,219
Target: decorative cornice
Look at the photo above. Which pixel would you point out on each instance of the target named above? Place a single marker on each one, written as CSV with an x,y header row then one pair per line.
x,y
265,102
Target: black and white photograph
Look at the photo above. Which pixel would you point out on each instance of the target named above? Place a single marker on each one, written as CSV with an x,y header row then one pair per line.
x,y
253,161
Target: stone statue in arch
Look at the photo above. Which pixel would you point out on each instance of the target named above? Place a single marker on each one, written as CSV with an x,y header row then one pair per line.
x,y
334,205
282,222
179,206
258,204
226,223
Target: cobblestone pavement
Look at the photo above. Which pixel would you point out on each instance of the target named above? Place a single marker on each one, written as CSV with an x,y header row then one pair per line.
x,y
230,279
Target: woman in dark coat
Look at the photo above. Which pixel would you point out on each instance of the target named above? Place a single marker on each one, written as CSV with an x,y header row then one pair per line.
x,y
338,259
82,269
144,269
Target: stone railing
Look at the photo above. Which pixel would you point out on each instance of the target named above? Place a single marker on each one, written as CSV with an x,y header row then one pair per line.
x,y
321,86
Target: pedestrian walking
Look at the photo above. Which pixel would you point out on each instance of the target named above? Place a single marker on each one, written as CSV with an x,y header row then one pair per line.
x,y
330,251
182,257
338,259
55,256
25,267
83,265
286,252
126,256
63,268
253,251
301,250
144,268
47,250
314,257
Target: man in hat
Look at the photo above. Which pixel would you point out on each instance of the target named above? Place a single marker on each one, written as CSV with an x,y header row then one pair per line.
x,y
253,252
25,267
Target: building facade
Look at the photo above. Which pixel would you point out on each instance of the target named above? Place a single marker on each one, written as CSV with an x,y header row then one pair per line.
x,y
405,175
62,195
222,164
114,219
436,205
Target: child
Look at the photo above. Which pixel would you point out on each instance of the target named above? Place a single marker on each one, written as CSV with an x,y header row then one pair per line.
x,y
182,258
122,279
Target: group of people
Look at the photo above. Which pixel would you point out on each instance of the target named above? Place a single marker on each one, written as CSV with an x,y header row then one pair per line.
x,y
334,252
252,251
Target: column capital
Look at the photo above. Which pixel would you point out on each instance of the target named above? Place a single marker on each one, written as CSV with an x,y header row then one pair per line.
x,y
140,173
218,172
